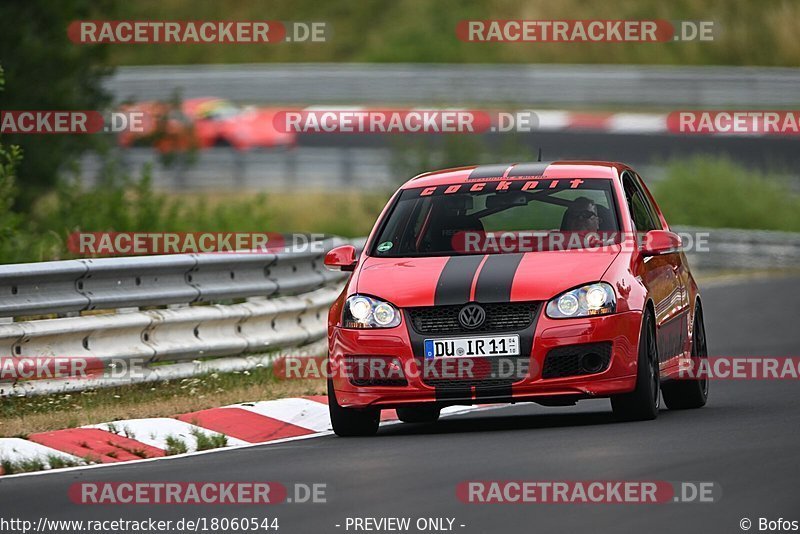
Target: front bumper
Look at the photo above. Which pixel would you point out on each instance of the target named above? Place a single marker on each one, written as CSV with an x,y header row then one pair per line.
x,y
619,329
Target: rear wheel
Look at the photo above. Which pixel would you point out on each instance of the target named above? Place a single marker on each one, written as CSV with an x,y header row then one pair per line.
x,y
642,403
687,394
419,414
349,422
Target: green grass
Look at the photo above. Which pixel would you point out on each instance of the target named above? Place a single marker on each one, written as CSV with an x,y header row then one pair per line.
x,y
175,445
715,192
57,462
10,467
751,32
206,442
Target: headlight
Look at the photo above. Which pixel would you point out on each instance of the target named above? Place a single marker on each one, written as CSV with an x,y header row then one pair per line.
x,y
369,312
592,299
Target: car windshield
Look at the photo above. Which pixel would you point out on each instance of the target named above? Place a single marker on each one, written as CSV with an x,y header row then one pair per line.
x,y
499,216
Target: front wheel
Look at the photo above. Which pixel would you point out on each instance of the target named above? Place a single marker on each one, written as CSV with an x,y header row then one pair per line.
x,y
349,422
687,394
642,403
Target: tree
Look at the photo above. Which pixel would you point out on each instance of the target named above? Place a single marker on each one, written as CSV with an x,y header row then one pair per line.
x,y
9,220
46,71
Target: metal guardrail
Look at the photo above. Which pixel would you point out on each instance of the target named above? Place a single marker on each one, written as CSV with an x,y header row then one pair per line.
x,y
286,295
729,248
108,283
124,348
301,167
468,84
362,163
286,301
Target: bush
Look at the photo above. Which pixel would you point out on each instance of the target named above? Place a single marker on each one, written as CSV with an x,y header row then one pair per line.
x,y
715,192
10,221
702,191
126,204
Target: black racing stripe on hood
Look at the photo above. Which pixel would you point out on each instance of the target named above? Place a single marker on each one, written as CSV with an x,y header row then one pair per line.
x,y
455,281
497,277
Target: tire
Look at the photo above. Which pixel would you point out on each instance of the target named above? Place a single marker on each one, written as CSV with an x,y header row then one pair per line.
x,y
690,394
349,422
643,402
419,414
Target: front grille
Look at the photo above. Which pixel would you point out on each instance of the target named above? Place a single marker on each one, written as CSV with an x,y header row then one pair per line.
x,y
566,361
500,317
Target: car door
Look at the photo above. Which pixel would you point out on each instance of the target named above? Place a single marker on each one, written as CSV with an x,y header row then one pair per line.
x,y
659,273
680,316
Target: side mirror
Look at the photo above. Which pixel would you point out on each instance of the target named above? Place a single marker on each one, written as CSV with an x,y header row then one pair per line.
x,y
660,242
341,258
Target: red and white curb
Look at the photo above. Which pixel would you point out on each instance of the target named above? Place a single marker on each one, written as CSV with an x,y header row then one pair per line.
x,y
547,120
245,424
619,123
698,122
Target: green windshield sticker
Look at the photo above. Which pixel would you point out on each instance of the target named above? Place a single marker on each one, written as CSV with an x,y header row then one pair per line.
x,y
386,245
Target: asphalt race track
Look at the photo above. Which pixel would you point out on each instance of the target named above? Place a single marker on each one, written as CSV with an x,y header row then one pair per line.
x,y
745,440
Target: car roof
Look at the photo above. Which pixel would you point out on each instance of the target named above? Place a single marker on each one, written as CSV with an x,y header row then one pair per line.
x,y
519,171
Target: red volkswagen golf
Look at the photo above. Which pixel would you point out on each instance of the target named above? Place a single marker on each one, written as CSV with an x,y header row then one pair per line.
x,y
542,282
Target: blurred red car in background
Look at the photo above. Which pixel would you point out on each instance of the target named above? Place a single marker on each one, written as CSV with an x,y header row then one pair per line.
x,y
201,123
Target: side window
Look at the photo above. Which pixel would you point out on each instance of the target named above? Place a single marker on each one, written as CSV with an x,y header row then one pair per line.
x,y
403,229
648,204
418,222
642,219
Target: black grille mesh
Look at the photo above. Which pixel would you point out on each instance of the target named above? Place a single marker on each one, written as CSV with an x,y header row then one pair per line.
x,y
500,317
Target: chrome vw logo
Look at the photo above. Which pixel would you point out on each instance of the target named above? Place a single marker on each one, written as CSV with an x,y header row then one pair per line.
x,y
471,316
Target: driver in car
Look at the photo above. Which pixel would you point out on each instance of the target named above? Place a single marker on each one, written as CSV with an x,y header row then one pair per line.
x,y
581,216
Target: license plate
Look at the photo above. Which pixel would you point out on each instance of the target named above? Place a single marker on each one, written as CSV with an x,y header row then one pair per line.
x,y
472,346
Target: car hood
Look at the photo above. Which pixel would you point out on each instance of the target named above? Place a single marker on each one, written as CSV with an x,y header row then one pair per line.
x,y
428,281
